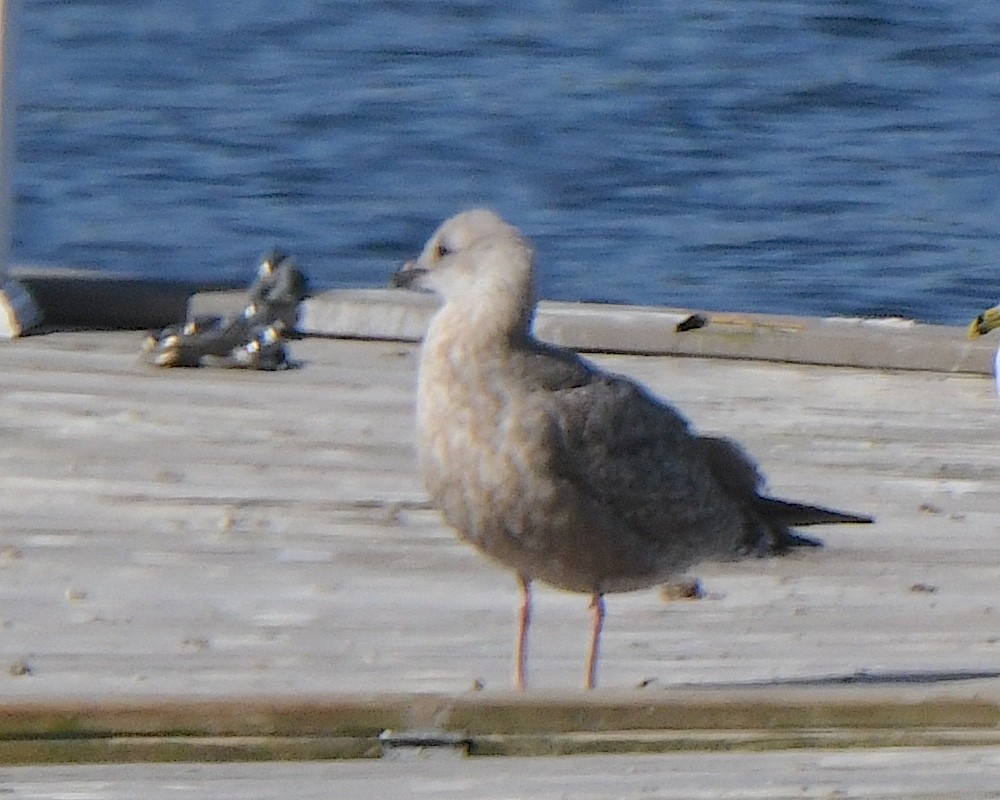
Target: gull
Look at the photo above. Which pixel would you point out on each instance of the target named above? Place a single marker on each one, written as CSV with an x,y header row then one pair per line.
x,y
982,325
554,468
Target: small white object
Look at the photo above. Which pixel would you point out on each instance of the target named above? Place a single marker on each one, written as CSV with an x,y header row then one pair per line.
x,y
18,311
996,371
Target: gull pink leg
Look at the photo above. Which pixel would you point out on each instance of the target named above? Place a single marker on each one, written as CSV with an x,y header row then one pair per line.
x,y
524,620
596,623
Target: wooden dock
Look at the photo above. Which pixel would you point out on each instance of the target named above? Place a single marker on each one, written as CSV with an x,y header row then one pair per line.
x,y
226,565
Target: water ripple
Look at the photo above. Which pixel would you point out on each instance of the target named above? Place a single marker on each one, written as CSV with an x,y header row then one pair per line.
x,y
697,154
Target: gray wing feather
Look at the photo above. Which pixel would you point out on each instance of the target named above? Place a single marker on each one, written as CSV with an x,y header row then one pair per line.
x,y
636,457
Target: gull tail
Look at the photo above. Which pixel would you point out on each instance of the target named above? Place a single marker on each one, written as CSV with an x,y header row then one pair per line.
x,y
781,515
791,514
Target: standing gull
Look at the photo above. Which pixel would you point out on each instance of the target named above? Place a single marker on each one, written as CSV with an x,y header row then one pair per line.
x,y
983,324
556,469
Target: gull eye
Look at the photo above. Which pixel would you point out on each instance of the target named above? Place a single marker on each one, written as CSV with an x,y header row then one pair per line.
x,y
442,250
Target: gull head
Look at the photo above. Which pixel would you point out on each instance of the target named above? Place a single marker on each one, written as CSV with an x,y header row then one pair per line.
x,y
474,257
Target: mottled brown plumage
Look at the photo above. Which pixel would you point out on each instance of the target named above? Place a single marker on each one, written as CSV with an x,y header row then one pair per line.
x,y
556,469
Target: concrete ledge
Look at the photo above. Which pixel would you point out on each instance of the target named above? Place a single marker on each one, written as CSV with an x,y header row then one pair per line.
x,y
757,718
872,343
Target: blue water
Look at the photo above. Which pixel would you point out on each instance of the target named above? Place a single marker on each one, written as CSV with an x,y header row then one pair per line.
x,y
808,157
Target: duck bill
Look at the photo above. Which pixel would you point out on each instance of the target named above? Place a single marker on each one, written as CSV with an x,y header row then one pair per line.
x,y
985,322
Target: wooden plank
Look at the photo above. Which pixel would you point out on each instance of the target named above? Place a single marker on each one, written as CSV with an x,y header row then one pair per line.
x,y
250,728
597,327
805,774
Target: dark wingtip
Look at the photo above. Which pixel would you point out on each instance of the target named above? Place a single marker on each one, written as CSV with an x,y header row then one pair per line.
x,y
791,514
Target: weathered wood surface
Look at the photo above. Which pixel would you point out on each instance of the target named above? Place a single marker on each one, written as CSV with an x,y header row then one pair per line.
x,y
211,533
642,330
884,774
214,531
